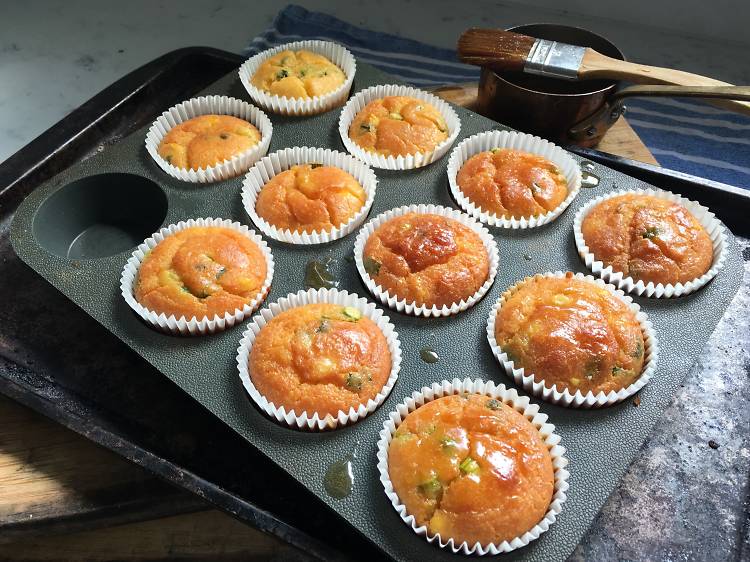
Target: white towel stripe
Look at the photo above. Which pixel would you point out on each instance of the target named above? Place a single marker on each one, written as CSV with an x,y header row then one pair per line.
x,y
700,160
687,106
692,120
689,132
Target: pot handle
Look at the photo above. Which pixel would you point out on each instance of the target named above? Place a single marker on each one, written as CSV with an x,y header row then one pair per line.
x,y
598,122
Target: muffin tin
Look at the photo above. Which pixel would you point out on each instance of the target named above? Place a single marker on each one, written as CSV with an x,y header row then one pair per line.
x,y
79,228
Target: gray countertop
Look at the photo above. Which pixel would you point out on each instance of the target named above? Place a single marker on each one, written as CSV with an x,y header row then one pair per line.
x,y
686,496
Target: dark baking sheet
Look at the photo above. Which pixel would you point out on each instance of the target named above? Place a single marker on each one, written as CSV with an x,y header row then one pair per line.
x,y
600,443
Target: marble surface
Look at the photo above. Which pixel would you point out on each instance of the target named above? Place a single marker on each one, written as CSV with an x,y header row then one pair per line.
x,y
682,499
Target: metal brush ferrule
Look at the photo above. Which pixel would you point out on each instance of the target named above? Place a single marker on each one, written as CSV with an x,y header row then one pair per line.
x,y
550,58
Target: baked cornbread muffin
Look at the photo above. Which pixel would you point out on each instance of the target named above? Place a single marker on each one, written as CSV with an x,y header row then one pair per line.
x,y
310,197
397,126
300,74
201,271
648,238
428,259
571,333
512,183
207,140
471,468
320,358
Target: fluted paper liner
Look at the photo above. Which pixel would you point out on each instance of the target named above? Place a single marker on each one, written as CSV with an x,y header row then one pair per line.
x,y
275,163
410,161
538,387
488,140
713,227
194,325
334,52
523,405
210,105
312,420
401,305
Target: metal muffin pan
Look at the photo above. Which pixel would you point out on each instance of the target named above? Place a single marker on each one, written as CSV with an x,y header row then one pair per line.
x,y
100,218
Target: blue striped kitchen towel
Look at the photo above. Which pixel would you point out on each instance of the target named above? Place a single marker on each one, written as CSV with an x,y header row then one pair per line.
x,y
687,136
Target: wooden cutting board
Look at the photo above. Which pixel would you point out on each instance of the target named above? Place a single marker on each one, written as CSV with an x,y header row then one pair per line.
x,y
64,498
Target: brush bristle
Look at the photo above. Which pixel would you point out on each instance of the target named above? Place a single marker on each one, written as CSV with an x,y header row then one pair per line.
x,y
495,48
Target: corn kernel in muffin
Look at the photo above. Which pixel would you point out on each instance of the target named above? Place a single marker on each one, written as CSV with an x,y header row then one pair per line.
x,y
320,358
201,271
472,469
309,198
512,183
648,238
300,74
207,140
571,333
428,259
398,126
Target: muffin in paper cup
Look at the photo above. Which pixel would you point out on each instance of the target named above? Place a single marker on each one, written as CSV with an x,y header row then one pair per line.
x,y
334,52
210,105
539,388
523,405
311,420
410,161
524,142
401,305
192,326
275,163
706,218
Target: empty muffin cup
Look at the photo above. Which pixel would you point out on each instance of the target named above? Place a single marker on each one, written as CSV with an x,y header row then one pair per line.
x,y
210,105
411,307
523,142
706,218
355,306
538,387
193,325
283,160
510,397
409,161
334,52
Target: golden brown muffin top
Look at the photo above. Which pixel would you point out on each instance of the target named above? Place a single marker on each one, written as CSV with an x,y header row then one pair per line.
x,y
320,358
648,238
426,258
571,333
299,74
201,271
397,126
471,468
207,140
512,183
310,197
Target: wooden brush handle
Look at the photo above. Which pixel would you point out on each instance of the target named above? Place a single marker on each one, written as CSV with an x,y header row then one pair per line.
x,y
596,65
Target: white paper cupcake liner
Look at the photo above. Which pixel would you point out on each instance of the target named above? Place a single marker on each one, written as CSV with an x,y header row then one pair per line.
x,y
488,140
337,54
510,397
307,420
210,105
713,227
417,160
282,160
194,325
401,305
565,397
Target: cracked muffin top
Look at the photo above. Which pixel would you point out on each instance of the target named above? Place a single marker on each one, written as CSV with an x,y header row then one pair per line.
x,y
320,358
300,74
428,259
310,197
201,271
648,238
398,126
571,333
512,183
207,140
471,468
